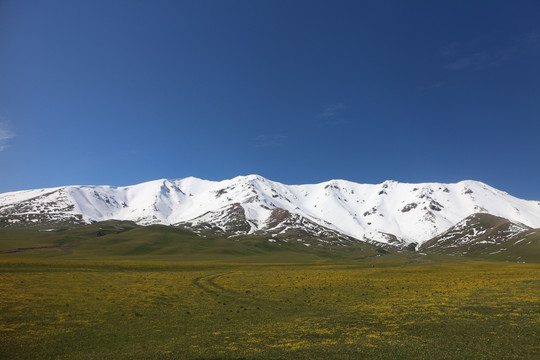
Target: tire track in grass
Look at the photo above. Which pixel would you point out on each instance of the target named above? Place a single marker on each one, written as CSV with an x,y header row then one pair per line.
x,y
202,283
208,284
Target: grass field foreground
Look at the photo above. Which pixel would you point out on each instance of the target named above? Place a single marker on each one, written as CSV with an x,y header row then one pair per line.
x,y
111,310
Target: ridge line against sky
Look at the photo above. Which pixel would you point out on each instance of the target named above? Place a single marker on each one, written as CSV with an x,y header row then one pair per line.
x,y
118,92
279,182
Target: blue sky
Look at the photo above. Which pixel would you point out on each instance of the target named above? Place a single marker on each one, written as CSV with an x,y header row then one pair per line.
x,y
120,92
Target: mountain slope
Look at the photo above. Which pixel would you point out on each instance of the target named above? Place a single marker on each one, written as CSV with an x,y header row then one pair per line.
x,y
387,212
488,235
126,240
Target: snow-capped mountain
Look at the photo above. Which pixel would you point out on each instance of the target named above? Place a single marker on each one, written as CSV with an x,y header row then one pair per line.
x,y
485,234
386,212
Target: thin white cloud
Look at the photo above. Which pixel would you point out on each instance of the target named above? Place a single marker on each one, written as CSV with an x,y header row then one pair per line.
x,y
5,135
276,140
432,86
459,64
449,50
477,60
331,110
525,44
332,115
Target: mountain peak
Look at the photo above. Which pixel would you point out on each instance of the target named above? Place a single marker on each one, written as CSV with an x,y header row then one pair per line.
x,y
476,233
255,177
408,212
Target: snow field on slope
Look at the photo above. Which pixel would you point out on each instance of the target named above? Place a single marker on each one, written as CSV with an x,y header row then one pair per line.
x,y
350,208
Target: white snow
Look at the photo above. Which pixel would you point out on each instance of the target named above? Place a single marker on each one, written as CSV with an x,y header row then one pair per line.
x,y
359,210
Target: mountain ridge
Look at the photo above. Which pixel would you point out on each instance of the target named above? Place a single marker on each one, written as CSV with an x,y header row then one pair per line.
x,y
488,235
410,212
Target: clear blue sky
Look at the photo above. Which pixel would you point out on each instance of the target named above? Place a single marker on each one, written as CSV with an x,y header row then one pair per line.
x,y
120,92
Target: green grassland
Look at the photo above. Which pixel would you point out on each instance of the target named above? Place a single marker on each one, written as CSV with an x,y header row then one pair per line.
x,y
162,293
125,240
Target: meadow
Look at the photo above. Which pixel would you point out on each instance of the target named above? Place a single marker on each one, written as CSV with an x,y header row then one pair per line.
x,y
384,308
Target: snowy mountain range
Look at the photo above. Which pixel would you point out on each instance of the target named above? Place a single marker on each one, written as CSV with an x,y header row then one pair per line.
x,y
389,213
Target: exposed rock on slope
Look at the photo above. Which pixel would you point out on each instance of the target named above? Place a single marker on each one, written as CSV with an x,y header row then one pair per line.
x,y
390,212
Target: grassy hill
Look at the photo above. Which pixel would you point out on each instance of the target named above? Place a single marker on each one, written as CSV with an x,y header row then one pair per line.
x,y
116,239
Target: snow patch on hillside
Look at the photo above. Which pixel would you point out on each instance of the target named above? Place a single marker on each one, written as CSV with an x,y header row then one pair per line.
x,y
409,212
